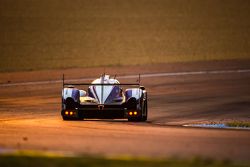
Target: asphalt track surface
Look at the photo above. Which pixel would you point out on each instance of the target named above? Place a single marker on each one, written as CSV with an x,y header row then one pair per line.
x,y
208,92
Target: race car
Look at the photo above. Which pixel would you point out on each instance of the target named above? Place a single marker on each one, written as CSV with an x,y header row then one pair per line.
x,y
104,98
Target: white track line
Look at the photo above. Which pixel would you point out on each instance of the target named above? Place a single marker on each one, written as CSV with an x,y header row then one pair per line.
x,y
130,76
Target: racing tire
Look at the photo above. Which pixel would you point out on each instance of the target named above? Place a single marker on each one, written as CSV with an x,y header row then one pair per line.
x,y
65,118
72,119
140,118
135,119
145,117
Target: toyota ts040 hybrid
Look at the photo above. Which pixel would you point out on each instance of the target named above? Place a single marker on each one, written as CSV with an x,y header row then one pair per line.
x,y
104,98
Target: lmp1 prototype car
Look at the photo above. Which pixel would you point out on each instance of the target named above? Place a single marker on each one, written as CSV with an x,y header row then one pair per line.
x,y
104,98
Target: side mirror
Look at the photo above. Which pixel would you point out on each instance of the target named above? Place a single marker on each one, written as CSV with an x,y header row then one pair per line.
x,y
82,93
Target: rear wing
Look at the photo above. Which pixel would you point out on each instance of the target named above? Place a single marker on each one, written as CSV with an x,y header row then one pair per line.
x,y
65,83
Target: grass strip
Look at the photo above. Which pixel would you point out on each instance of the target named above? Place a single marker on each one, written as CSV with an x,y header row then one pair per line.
x,y
238,124
48,160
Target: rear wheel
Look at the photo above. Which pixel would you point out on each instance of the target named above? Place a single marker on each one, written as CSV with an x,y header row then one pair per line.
x,y
138,118
71,119
135,119
65,118
145,117
141,117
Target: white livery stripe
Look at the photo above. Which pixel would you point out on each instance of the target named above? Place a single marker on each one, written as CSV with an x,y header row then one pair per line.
x,y
132,76
67,93
136,92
